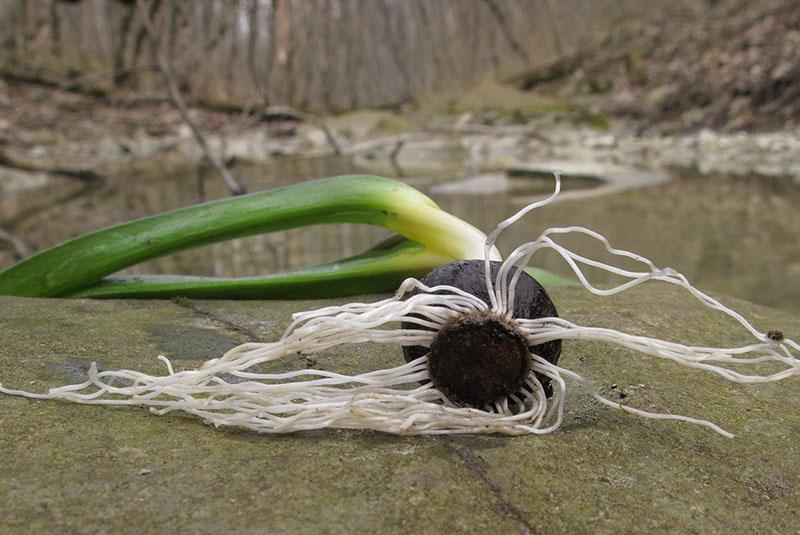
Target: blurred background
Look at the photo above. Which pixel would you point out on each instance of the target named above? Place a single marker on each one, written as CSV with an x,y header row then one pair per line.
x,y
676,122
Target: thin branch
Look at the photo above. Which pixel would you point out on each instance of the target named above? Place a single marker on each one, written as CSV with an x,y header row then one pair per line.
x,y
119,48
142,33
17,162
516,46
555,33
310,119
15,76
177,100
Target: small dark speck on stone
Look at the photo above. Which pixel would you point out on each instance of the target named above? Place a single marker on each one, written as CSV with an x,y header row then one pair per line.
x,y
775,335
181,300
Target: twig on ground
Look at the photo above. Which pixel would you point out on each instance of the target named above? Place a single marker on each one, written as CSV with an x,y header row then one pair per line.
x,y
20,163
20,249
310,119
398,146
77,83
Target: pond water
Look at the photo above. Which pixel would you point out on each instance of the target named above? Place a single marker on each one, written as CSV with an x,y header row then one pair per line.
x,y
738,236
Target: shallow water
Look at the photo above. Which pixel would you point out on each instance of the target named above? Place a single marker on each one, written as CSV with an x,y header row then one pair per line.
x,y
733,235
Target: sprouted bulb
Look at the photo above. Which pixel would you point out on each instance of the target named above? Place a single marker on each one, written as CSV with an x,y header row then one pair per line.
x,y
479,367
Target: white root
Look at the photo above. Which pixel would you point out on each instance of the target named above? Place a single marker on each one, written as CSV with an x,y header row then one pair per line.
x,y
231,391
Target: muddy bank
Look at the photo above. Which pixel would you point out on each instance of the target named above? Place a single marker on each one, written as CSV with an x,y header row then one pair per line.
x,y
453,144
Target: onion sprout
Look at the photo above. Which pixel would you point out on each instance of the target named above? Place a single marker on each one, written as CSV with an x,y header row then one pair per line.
x,y
431,235
231,391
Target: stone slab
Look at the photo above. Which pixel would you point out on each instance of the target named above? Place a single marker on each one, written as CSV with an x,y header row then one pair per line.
x,y
83,469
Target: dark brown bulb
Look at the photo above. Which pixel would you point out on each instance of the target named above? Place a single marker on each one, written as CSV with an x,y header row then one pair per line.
x,y
478,346
478,358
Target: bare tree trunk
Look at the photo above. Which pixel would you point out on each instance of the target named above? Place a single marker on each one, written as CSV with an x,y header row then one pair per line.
x,y
172,32
232,55
120,74
19,27
350,60
55,28
312,54
554,27
177,100
281,62
141,35
328,67
252,49
425,23
270,53
390,31
205,55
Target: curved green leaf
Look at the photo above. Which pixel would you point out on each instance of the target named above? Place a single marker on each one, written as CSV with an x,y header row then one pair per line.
x,y
79,263
372,272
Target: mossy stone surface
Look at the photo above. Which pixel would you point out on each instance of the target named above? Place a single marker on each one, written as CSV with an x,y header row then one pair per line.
x,y
77,468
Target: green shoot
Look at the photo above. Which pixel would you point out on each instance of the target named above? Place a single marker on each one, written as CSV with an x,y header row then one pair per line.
x,y
431,237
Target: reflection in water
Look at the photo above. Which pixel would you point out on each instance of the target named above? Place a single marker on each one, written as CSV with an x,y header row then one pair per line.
x,y
737,236
732,235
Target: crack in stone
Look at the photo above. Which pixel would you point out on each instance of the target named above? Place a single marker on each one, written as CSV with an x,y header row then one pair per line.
x,y
228,324
474,465
477,468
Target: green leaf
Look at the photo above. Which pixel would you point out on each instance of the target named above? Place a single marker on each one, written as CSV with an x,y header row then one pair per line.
x,y
432,237
373,272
